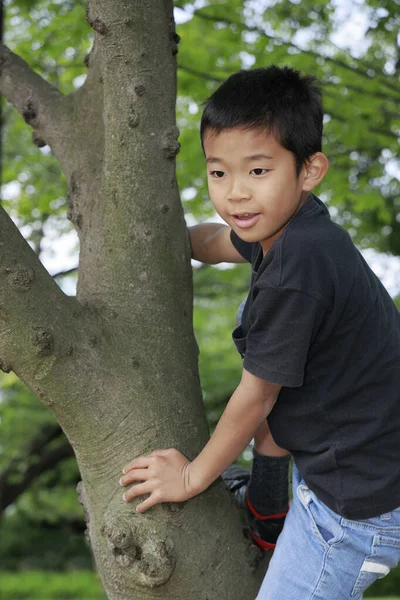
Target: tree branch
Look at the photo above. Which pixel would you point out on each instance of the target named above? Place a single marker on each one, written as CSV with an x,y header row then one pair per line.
x,y
46,435
334,60
10,490
33,311
200,74
361,90
34,98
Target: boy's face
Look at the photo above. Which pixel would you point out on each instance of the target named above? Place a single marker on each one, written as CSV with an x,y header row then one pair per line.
x,y
253,183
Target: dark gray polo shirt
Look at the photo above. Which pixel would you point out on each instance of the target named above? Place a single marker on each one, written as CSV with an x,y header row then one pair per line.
x,y
320,323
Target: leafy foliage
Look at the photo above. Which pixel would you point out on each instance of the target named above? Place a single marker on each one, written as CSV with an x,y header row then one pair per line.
x,y
360,86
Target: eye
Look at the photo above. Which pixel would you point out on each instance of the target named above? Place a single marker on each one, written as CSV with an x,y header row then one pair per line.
x,y
217,174
259,171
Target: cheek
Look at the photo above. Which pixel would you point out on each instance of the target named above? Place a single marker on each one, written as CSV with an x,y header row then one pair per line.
x,y
215,196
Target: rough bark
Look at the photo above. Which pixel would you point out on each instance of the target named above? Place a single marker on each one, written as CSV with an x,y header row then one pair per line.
x,y
118,364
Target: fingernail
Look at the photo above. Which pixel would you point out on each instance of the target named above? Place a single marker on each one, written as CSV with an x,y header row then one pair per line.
x,y
124,497
124,471
120,482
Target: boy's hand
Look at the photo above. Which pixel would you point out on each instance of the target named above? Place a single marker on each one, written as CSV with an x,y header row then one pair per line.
x,y
165,475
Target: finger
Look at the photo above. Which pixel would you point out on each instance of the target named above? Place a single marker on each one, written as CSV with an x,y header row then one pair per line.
x,y
135,475
137,490
137,463
152,500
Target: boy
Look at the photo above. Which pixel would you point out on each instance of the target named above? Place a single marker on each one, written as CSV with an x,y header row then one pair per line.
x,y
320,341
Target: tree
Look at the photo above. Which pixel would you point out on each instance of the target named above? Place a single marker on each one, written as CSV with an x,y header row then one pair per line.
x,y
117,363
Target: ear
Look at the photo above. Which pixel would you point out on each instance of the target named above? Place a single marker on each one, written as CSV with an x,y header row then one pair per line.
x,y
315,169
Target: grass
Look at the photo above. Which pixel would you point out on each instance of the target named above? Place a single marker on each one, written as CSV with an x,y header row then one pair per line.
x,y
73,585
42,585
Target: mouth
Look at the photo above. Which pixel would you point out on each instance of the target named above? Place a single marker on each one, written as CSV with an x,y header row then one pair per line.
x,y
245,220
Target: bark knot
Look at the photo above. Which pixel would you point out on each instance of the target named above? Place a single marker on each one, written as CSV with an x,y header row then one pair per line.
x,y
96,24
73,213
170,143
21,278
149,557
40,394
29,112
175,39
43,341
37,140
133,120
139,89
4,366
94,340
80,488
99,26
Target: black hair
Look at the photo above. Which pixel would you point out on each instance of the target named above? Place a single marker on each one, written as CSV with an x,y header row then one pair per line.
x,y
280,100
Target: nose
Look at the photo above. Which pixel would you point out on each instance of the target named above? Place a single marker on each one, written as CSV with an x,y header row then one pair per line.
x,y
238,191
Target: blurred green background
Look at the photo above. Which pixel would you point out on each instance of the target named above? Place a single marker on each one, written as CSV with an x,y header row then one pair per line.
x,y
353,50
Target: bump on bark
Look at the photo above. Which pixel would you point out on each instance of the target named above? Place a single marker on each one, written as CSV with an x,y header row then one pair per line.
x,y
121,543
21,278
150,559
133,120
96,24
94,340
42,340
170,143
174,37
4,366
73,213
40,394
139,89
37,140
29,113
99,26
80,488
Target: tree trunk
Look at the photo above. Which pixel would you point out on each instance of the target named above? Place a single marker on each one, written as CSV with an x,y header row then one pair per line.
x,y
117,365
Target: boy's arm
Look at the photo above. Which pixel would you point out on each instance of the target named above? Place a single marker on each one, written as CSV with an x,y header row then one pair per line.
x,y
211,244
168,476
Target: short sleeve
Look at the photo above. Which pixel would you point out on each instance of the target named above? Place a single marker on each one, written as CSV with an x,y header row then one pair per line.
x,y
283,325
245,249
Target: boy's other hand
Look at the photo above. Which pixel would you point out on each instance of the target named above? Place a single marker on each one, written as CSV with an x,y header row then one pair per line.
x,y
164,474
211,244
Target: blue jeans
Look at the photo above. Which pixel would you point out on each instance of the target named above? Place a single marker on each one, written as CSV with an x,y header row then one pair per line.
x,y
322,556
